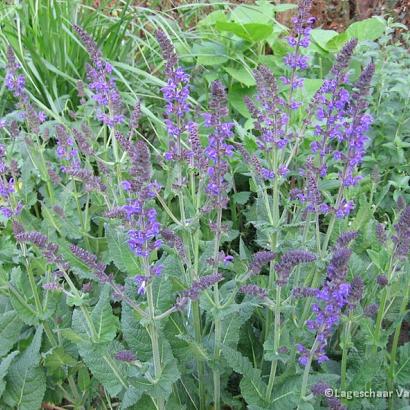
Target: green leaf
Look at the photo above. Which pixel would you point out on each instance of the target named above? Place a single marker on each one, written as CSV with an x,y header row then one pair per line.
x,y
247,13
241,198
26,382
4,367
242,75
134,333
10,328
210,53
25,311
119,251
111,373
105,323
212,18
131,397
252,387
58,358
322,37
369,29
236,95
161,388
251,32
402,374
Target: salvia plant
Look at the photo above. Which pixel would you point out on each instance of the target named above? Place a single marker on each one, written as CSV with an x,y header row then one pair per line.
x,y
209,264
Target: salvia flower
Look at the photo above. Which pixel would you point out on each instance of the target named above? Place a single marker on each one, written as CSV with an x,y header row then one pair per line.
x,y
90,260
254,290
321,389
331,299
125,356
218,149
203,283
401,238
299,39
270,117
102,83
260,259
176,94
289,261
382,280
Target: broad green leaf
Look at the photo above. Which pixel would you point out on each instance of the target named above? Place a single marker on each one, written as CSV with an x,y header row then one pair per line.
x,y
134,333
248,13
131,397
26,382
162,387
212,18
119,251
252,387
210,53
4,367
242,75
369,29
10,328
236,95
58,358
251,32
25,311
111,373
402,373
322,37
241,198
105,323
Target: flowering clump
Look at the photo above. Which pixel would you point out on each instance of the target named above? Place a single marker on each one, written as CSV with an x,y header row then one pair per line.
x,y
218,149
158,238
102,83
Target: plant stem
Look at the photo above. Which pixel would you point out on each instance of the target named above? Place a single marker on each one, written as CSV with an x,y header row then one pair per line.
x,y
393,353
218,324
276,342
346,346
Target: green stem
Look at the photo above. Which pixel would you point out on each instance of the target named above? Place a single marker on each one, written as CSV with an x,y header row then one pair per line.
x,y
346,347
276,342
218,324
393,353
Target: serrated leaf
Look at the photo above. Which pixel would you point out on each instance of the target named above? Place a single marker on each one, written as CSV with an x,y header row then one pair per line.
x,y
111,373
119,251
162,387
4,366
10,328
368,29
26,382
253,388
25,311
105,323
402,373
58,358
131,397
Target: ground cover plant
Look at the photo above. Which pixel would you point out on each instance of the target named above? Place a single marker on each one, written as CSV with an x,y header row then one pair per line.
x,y
207,218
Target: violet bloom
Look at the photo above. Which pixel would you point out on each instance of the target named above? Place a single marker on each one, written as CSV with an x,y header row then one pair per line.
x,y
300,38
102,83
289,261
90,260
401,238
7,188
125,356
270,119
176,94
203,283
260,259
330,300
15,83
218,149
254,290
